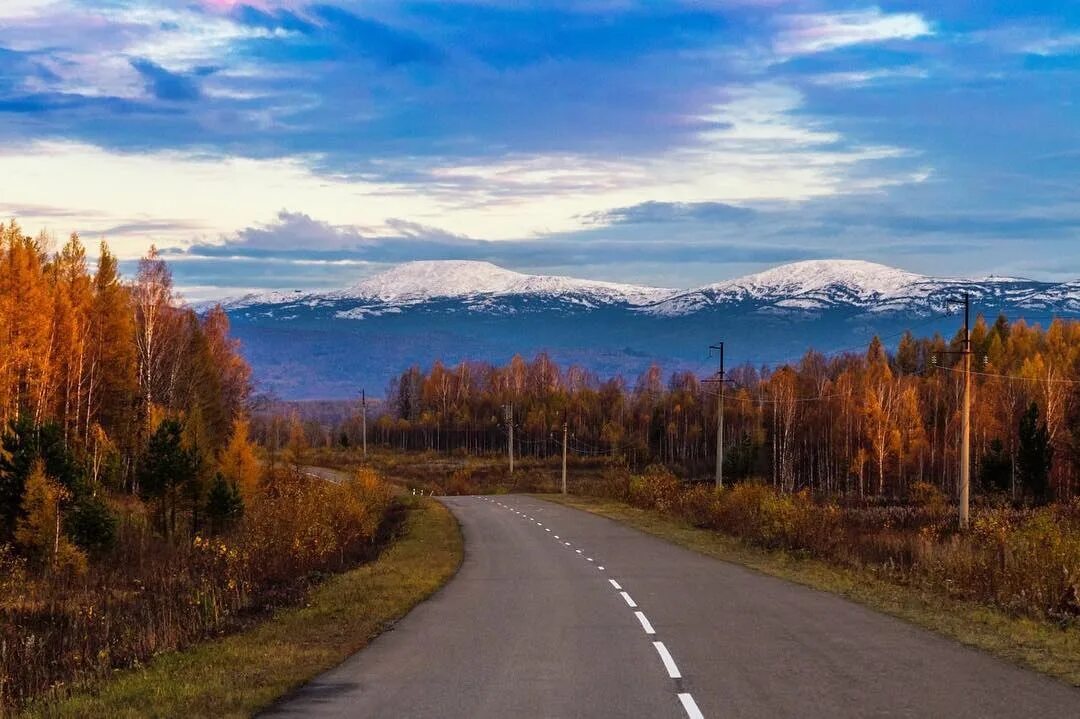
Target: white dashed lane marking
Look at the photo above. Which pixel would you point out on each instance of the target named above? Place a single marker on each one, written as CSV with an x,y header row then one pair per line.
x,y
690,706
685,699
644,622
669,663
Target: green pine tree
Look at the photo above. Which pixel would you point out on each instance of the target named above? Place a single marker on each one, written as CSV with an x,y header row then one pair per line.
x,y
166,470
1035,456
224,504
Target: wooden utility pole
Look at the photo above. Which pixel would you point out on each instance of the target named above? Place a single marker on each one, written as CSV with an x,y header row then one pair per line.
x,y
719,380
965,446
508,415
564,438
965,414
363,419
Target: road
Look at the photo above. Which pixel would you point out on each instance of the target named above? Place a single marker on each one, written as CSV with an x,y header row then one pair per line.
x,y
325,473
559,613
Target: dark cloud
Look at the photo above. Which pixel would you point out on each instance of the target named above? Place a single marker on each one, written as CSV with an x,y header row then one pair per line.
x,y
166,85
662,212
145,228
298,237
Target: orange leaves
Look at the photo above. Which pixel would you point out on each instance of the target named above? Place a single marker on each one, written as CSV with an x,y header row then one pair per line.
x,y
238,461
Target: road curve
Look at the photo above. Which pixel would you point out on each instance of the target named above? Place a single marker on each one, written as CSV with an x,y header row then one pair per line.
x,y
559,613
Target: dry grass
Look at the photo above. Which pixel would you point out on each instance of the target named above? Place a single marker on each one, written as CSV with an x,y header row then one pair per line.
x,y
1039,645
238,675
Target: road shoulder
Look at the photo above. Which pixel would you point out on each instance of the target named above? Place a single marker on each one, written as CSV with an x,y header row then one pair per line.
x,y
1041,646
239,675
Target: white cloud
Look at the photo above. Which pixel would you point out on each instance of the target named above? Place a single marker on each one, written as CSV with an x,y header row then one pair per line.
x,y
22,9
819,32
759,148
89,50
857,78
1055,45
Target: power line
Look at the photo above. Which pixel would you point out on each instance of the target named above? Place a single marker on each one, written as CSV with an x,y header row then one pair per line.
x,y
1013,377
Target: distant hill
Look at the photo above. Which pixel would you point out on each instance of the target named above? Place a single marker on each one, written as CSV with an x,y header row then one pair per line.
x,y
305,345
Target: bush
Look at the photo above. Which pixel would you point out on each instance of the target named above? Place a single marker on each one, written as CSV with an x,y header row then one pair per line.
x,y
657,488
1026,561
460,482
924,494
148,595
697,505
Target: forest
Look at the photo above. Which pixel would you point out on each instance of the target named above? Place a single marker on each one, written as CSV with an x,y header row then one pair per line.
x,y
872,424
853,458
135,514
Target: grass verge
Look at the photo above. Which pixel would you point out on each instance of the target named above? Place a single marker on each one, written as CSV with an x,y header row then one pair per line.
x,y
1041,646
240,674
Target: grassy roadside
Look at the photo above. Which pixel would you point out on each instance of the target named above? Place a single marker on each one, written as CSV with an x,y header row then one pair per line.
x,y
245,672
1037,645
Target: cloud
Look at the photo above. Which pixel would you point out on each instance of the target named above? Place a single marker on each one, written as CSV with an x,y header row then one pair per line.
x,y
166,85
820,32
1067,44
296,237
753,146
859,78
663,212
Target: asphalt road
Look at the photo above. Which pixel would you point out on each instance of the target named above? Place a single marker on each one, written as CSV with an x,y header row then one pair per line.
x,y
559,613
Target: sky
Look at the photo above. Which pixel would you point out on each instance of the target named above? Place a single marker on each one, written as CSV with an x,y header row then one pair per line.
x,y
287,144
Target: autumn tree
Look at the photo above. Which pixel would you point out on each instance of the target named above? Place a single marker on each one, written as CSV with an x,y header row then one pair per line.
x,y
39,532
238,462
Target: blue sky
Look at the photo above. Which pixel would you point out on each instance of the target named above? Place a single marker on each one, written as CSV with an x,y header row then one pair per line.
x,y
281,143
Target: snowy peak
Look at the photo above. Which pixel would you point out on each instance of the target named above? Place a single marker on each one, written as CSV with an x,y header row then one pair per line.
x,y
866,280
454,279
431,279
799,288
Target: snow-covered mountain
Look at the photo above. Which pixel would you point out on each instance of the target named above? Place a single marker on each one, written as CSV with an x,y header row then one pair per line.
x,y
325,344
478,283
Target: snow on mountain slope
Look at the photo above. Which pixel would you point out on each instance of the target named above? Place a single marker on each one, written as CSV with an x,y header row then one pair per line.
x,y
426,280
815,285
863,279
413,283
808,287
418,281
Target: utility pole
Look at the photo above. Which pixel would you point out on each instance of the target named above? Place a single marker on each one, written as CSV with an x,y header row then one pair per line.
x,y
508,415
965,447
720,380
965,414
564,432
363,419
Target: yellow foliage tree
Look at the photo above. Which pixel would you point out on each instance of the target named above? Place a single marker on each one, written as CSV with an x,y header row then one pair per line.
x,y
298,442
238,461
38,532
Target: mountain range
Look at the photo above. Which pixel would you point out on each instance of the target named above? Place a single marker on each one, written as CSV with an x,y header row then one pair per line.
x,y
330,344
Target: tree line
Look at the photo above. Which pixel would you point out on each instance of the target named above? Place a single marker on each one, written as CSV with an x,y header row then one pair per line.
x,y
868,424
109,387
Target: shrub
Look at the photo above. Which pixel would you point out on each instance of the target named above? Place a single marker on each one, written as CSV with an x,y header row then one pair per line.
x,y
924,494
149,595
657,488
697,505
460,482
